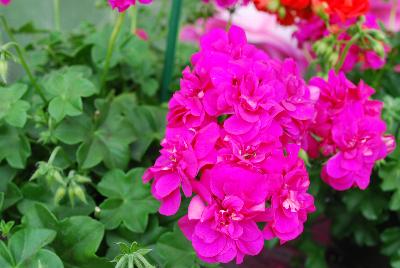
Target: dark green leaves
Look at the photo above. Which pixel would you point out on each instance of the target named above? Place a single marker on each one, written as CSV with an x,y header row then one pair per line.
x,y
128,200
79,238
109,142
14,146
25,249
13,109
66,88
176,250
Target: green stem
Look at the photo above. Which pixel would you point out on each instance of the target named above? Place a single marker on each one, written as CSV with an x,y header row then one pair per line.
x,y
110,49
352,41
171,46
21,56
53,155
133,19
57,17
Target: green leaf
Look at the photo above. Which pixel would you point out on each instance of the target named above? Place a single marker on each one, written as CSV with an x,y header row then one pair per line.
x,y
1,201
315,254
78,239
12,195
391,241
110,141
73,130
14,110
66,88
6,259
27,242
390,174
40,217
44,259
149,125
176,250
128,200
14,147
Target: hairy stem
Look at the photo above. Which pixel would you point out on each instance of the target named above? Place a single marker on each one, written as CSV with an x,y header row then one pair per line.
x,y
57,17
21,55
346,49
110,49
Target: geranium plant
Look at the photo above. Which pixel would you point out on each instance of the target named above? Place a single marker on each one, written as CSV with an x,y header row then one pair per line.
x,y
124,143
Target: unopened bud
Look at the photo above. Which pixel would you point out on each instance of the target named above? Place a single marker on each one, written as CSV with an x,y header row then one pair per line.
x,y
3,70
59,195
378,48
78,191
377,34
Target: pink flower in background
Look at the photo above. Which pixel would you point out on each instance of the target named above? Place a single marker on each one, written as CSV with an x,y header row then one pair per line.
x,y
314,29
5,2
222,224
227,3
262,30
360,143
123,5
349,128
382,10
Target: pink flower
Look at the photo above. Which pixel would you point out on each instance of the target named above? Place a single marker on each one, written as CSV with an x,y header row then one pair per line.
x,y
382,10
5,2
360,143
176,167
232,122
123,5
290,202
262,30
228,3
226,227
348,127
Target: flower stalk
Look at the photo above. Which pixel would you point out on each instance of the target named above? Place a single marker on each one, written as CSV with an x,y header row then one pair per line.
x,y
110,49
21,55
57,16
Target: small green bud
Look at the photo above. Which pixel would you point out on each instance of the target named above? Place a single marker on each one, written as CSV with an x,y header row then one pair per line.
x,y
59,195
78,191
81,179
378,48
3,70
377,34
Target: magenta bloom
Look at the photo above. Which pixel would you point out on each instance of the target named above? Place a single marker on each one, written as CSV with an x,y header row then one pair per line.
x,y
349,128
235,117
290,202
228,3
226,228
5,2
123,5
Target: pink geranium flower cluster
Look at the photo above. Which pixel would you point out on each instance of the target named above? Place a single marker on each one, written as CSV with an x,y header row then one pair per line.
x,y
314,29
348,127
233,137
227,3
123,5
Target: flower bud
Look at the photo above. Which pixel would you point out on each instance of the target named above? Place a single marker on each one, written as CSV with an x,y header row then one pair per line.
x,y
377,34
3,70
378,48
59,195
78,191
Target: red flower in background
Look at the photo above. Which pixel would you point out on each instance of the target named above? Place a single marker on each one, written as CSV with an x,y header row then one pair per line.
x,y
347,9
296,4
